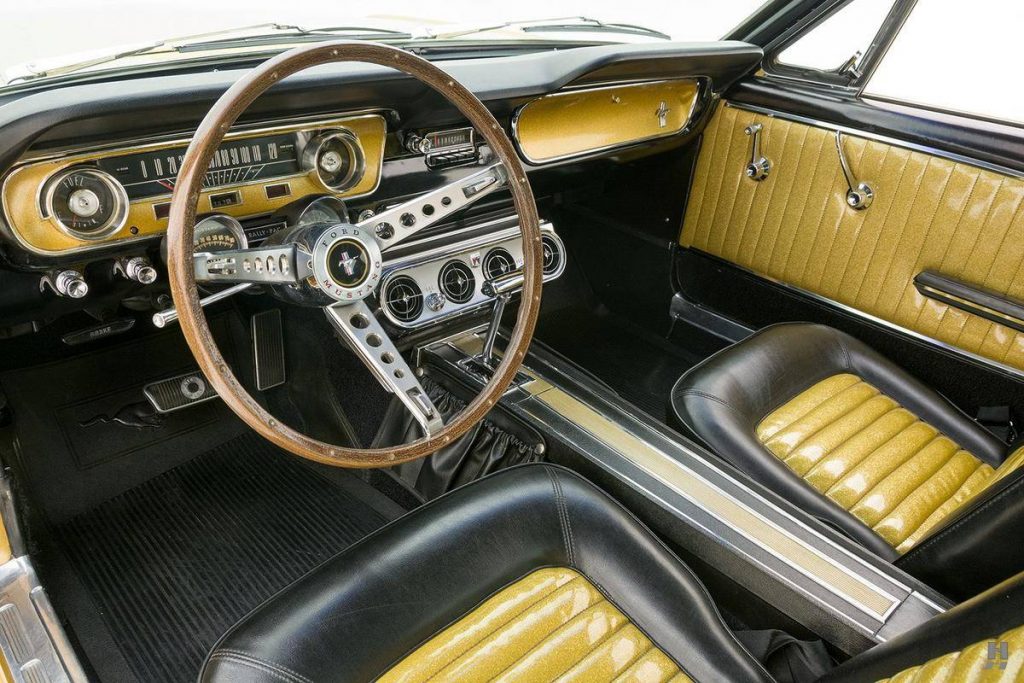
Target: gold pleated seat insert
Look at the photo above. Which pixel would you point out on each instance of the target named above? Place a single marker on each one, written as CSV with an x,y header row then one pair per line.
x,y
982,662
552,625
876,460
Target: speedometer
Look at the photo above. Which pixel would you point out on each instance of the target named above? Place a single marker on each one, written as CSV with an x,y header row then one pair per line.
x,y
218,233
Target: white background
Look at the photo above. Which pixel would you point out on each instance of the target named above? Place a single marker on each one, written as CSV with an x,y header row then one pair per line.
x,y
31,29
951,54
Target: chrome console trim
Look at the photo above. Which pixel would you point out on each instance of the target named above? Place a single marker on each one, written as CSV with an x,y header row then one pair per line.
x,y
849,597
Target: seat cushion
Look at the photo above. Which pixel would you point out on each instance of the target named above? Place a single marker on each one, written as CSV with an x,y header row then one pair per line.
x,y
532,630
839,430
894,472
532,567
984,661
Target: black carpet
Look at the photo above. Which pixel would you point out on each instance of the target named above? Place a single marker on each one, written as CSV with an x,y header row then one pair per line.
x,y
638,364
173,563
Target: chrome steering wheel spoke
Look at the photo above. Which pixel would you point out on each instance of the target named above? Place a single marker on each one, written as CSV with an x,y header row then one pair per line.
x,y
273,265
359,327
399,223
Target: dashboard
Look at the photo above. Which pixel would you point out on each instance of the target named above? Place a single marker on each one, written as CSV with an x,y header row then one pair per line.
x,y
87,171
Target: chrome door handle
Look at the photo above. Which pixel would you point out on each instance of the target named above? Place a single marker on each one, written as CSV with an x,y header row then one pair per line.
x,y
759,166
859,195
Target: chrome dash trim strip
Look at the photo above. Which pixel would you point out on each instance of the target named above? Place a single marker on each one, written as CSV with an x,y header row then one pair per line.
x,y
896,142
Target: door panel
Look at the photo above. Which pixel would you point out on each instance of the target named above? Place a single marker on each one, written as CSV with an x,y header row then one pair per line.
x,y
929,213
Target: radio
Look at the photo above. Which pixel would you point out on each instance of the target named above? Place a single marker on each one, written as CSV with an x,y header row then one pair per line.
x,y
445,148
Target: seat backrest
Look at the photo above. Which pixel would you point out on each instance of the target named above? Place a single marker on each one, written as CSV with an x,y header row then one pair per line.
x,y
983,635
980,544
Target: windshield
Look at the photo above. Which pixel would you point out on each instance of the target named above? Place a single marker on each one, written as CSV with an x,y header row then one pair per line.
x,y
46,38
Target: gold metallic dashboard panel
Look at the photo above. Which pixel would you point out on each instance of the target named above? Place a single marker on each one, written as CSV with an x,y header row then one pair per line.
x,y
570,124
929,213
26,224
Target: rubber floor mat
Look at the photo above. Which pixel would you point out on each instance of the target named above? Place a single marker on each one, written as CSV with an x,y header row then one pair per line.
x,y
173,563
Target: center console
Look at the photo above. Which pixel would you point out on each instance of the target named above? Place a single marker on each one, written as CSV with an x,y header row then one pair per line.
x,y
702,506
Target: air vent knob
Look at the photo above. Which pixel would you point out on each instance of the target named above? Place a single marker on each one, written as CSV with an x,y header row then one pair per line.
x,y
435,302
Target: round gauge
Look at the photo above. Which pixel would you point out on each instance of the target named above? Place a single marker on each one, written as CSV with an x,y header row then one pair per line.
x,y
337,158
324,210
86,203
219,233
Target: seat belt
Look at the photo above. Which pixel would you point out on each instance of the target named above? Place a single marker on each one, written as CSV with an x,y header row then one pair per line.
x,y
998,420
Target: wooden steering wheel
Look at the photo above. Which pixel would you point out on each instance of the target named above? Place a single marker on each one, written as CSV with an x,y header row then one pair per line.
x,y
339,266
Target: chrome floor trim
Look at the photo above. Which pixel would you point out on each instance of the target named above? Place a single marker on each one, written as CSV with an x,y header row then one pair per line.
x,y
31,638
839,590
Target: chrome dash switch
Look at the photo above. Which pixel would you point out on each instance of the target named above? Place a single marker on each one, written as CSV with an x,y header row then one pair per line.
x,y
68,283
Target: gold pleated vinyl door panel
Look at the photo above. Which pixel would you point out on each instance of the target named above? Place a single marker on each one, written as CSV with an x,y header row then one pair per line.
x,y
929,213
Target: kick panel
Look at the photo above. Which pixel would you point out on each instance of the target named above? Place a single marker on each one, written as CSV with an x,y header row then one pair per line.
x,y
798,226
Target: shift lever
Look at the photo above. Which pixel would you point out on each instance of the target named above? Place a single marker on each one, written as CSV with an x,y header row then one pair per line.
x,y
501,289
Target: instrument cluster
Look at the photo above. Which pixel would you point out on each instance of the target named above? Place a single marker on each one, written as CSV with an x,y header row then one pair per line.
x,y
74,202
442,282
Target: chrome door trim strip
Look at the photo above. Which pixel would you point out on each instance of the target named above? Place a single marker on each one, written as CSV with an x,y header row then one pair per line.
x,y
1015,373
31,640
896,142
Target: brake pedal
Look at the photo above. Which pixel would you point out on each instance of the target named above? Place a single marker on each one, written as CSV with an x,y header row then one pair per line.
x,y
268,349
182,391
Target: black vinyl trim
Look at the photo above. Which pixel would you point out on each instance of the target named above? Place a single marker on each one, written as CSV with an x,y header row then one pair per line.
x,y
974,300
